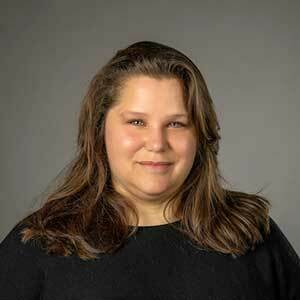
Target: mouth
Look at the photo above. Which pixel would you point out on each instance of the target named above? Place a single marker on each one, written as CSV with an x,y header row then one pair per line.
x,y
156,167
152,163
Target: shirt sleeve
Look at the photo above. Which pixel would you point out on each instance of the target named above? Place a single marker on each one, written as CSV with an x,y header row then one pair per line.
x,y
286,263
20,274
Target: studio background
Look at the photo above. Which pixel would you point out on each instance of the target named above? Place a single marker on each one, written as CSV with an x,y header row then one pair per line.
x,y
247,51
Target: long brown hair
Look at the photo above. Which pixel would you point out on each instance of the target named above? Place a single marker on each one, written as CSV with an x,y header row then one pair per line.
x,y
85,216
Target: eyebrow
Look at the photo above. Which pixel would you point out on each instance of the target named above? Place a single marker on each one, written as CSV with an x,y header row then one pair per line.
x,y
144,114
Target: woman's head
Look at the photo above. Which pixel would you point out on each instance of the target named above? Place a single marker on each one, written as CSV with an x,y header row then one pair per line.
x,y
91,208
160,81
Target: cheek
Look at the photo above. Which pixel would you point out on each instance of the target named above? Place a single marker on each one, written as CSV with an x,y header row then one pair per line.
x,y
186,148
125,140
186,151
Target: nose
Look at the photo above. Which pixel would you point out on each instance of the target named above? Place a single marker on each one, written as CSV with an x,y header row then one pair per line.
x,y
156,139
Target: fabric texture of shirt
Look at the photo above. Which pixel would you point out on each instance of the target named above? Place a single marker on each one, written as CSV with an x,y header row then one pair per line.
x,y
157,262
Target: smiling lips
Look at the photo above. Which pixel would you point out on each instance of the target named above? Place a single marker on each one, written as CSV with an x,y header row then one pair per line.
x,y
156,167
151,163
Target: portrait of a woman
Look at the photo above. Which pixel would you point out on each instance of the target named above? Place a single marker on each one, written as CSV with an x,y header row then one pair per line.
x,y
142,212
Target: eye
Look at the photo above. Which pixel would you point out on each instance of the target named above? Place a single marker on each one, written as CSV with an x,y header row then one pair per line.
x,y
181,124
138,120
132,121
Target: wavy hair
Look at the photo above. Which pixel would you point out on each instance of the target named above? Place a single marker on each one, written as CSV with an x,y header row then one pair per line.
x,y
85,216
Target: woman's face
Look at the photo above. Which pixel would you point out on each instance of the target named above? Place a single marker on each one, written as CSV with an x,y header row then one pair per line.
x,y
143,127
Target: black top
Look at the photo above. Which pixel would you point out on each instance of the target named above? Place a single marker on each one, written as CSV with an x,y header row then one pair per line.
x,y
156,263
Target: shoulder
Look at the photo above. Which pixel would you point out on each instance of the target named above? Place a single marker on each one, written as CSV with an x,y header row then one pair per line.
x,y
12,244
279,244
277,254
21,273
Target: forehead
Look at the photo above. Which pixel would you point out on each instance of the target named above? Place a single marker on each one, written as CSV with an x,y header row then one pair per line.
x,y
141,82
146,91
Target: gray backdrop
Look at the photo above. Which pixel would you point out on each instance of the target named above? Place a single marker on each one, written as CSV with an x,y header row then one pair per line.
x,y
248,52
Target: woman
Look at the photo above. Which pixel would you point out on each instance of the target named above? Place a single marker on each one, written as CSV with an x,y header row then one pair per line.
x,y
141,212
